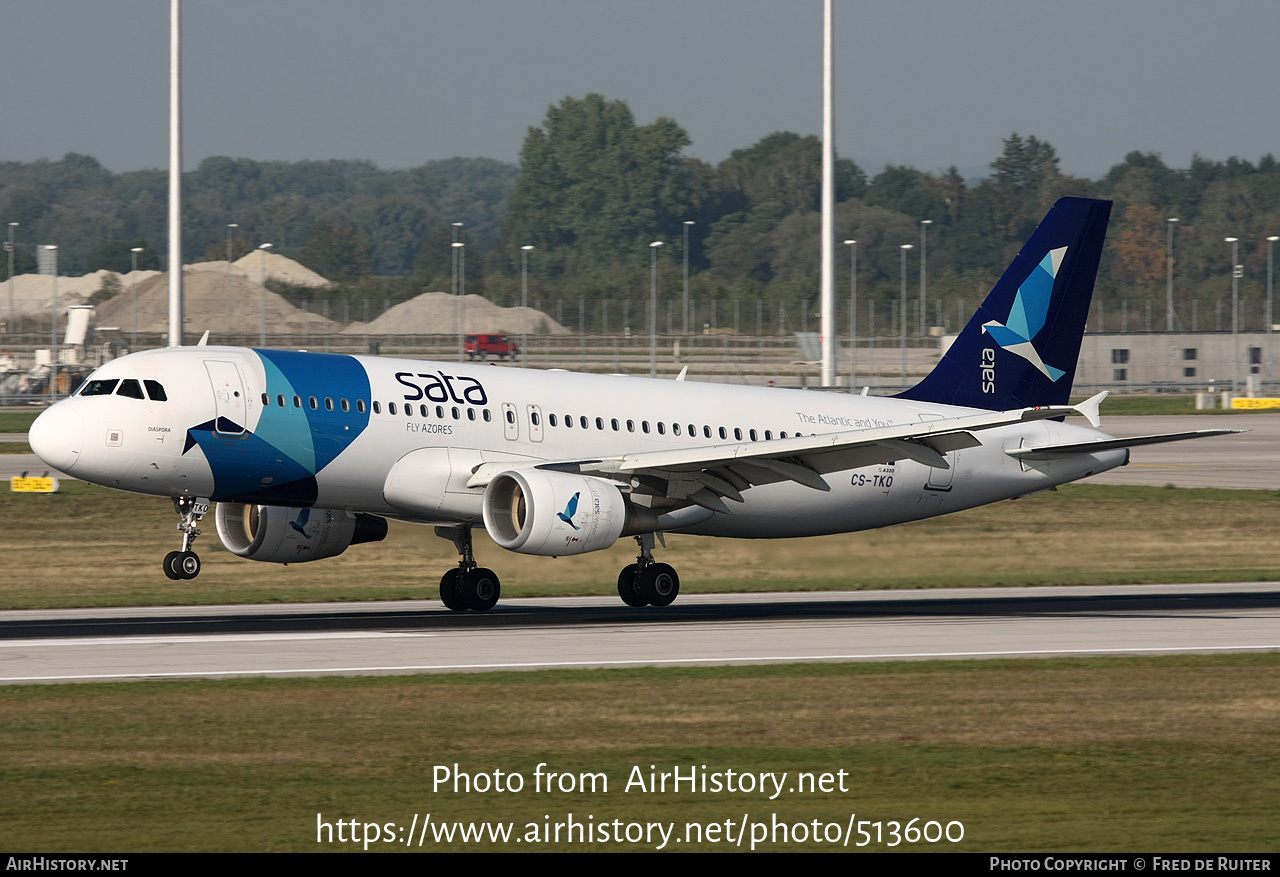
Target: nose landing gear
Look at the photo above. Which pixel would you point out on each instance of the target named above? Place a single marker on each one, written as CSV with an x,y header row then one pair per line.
x,y
469,586
646,583
185,564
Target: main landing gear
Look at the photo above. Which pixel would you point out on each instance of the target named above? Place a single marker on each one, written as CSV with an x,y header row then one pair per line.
x,y
469,586
645,583
185,564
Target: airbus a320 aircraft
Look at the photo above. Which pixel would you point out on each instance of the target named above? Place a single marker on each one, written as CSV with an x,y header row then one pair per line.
x,y
306,454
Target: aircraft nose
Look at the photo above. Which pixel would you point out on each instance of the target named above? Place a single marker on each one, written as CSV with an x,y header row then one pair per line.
x,y
57,436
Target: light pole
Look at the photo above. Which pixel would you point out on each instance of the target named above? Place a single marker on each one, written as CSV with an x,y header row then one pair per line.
x,y
853,312
524,304
262,281
1168,306
1270,244
53,325
924,312
133,292
687,223
1235,313
902,315
653,308
459,288
230,226
13,318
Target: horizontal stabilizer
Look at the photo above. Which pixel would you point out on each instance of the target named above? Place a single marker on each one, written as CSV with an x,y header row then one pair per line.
x,y
1114,444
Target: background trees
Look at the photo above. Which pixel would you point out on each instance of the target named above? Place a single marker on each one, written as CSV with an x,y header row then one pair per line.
x,y
594,188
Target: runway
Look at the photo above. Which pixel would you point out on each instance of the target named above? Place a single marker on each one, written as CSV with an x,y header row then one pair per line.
x,y
1247,461
544,633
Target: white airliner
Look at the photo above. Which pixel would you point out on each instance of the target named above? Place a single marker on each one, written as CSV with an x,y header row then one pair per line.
x,y
306,454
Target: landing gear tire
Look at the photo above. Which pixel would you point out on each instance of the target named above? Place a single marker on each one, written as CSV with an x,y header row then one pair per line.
x,y
659,584
181,565
170,564
188,564
629,586
449,591
480,589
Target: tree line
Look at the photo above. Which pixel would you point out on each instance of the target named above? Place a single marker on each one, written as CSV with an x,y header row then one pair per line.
x,y
594,189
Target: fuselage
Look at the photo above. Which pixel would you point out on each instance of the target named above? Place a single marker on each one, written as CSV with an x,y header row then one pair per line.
x,y
400,438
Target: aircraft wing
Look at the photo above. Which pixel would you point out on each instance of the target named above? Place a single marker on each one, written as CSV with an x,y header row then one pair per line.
x,y
1113,444
706,475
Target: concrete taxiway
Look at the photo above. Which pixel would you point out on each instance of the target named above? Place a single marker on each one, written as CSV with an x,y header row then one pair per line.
x,y
420,637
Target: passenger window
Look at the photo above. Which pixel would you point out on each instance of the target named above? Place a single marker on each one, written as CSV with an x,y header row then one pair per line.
x,y
706,431
346,406
723,433
644,427
266,400
391,408
360,405
100,388
511,416
737,433
440,411
328,404
675,427
599,423
311,400
424,410
631,426
456,414
614,424
753,435
768,435
377,407
693,431
157,393
471,414
297,401
582,421
552,419
534,418
782,434
568,421
130,388
487,415
662,428
279,400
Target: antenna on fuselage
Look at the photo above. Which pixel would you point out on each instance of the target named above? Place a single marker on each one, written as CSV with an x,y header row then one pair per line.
x,y
204,339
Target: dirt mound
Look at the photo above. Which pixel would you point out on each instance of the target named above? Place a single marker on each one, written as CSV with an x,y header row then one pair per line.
x,y
277,266
32,292
436,313
209,304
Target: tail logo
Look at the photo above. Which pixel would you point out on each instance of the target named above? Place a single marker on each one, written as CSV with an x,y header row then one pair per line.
x,y
1028,314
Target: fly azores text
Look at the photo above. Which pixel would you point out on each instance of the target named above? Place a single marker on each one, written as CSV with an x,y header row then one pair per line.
x,y
440,387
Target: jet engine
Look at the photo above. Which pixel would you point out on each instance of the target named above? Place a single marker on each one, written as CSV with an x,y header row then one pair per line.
x,y
535,511
276,534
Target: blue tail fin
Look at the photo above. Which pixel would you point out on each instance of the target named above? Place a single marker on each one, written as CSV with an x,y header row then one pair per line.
x,y
1020,348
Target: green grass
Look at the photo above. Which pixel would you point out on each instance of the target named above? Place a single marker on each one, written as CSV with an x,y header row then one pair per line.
x,y
91,546
18,420
1110,754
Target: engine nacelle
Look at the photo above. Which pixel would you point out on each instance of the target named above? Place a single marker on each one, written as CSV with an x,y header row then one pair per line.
x,y
276,534
535,511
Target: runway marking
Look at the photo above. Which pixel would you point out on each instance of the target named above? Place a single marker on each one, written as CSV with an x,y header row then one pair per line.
x,y
651,662
208,638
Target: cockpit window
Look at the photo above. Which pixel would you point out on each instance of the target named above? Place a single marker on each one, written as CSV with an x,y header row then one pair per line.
x,y
99,387
155,391
131,388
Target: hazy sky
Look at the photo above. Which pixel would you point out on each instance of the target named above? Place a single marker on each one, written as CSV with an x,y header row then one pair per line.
x,y
922,82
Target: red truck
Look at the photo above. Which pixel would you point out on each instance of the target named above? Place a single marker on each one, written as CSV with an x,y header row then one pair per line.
x,y
484,346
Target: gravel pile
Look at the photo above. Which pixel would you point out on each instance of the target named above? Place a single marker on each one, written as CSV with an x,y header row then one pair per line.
x,y
436,313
